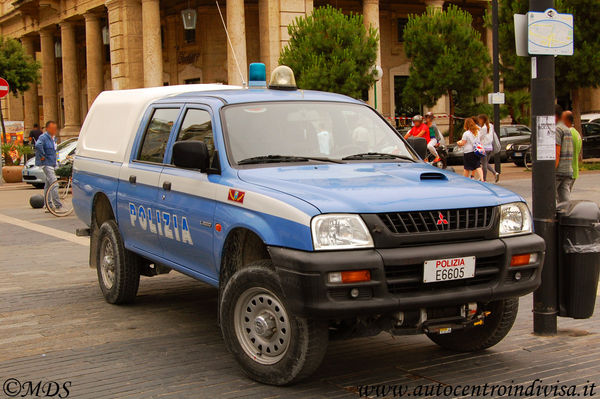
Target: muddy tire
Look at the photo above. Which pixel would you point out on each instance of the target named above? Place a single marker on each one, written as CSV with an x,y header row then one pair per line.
x,y
271,344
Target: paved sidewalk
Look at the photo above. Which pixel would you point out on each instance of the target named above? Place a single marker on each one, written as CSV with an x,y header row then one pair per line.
x,y
55,326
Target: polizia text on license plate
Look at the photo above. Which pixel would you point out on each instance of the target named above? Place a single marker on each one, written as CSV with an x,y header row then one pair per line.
x,y
448,269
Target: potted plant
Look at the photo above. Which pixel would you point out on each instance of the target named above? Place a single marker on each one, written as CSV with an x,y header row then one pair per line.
x,y
12,154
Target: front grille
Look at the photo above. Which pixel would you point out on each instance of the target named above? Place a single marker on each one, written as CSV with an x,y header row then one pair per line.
x,y
409,278
437,221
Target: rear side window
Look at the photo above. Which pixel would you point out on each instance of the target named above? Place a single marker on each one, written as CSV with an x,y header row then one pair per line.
x,y
197,125
157,135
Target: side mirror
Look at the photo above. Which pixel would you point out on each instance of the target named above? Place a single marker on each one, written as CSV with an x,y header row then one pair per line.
x,y
191,154
419,144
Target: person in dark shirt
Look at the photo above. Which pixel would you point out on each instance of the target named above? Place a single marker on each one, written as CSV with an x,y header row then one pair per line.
x,y
34,134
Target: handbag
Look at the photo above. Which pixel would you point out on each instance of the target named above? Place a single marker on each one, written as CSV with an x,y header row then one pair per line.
x,y
479,150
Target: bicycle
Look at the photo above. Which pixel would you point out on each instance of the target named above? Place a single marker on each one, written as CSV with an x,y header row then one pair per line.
x,y
63,187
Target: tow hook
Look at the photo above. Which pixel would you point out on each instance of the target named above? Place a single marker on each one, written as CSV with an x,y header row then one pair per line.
x,y
442,326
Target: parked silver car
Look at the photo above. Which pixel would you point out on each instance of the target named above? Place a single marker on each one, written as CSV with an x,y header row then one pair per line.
x,y
34,175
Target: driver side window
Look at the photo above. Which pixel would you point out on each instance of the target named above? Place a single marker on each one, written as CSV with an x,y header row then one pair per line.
x,y
197,125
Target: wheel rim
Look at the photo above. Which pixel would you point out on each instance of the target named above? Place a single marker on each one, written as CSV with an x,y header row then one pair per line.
x,y
262,326
107,263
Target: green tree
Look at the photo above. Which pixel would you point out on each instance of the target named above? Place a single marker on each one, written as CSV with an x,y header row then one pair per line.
x,y
572,72
330,51
19,69
447,57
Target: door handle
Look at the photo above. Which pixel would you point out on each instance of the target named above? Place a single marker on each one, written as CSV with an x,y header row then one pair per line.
x,y
132,179
167,186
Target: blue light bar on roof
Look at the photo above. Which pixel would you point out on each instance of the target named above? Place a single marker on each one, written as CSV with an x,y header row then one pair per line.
x,y
257,76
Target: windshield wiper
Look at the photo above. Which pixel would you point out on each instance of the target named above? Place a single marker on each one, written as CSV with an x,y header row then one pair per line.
x,y
283,158
377,155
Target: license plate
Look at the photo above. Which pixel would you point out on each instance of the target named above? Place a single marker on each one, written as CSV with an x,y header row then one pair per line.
x,y
518,154
448,269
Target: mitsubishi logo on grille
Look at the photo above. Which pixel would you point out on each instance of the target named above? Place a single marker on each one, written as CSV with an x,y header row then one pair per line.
x,y
442,220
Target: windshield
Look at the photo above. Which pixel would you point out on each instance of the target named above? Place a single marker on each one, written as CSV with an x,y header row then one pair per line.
x,y
69,142
309,131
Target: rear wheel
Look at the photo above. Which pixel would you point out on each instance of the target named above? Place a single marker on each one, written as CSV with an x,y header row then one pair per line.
x,y
271,343
118,269
495,327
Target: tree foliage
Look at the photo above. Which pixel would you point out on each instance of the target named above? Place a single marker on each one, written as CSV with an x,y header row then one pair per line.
x,y
572,72
330,51
447,57
18,68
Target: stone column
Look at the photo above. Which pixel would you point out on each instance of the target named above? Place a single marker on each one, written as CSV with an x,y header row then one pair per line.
x,y
268,22
236,25
152,45
93,56
31,113
49,86
125,27
70,80
371,19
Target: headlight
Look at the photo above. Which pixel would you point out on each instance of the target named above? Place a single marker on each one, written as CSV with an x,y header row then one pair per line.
x,y
508,147
340,231
515,219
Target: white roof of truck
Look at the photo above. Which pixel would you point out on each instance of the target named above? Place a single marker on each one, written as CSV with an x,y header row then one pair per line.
x,y
113,119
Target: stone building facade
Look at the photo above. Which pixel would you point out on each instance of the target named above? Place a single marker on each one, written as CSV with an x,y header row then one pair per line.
x,y
87,46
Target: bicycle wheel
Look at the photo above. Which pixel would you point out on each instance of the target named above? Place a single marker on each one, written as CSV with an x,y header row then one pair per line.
x,y
63,189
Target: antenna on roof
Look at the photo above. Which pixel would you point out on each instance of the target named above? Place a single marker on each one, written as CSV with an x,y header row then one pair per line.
x,y
231,45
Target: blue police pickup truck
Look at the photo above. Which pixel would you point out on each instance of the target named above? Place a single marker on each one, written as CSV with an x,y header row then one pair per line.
x,y
310,214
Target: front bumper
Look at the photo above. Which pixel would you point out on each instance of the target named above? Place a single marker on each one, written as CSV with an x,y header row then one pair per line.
x,y
396,277
33,175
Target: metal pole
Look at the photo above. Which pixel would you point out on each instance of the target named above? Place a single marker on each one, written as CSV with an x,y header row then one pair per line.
x,y
496,56
545,301
2,123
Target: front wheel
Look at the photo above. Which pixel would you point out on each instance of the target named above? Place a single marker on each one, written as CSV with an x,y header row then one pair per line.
x,y
495,327
271,343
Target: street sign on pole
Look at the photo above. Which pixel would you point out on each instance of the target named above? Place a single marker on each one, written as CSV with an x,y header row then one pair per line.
x,y
549,33
4,88
545,302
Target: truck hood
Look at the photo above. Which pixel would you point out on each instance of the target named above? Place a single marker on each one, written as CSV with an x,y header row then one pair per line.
x,y
377,187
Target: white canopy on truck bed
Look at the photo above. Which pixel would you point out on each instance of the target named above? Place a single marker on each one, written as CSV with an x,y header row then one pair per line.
x,y
114,117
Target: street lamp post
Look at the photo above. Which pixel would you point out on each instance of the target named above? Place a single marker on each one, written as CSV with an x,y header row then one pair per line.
x,y
378,76
545,307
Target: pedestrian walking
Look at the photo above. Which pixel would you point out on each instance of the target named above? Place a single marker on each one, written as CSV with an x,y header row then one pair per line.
x,y
564,158
34,134
45,156
487,136
470,141
568,119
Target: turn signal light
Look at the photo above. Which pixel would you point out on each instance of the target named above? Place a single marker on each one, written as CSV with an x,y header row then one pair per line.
x,y
351,276
523,259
